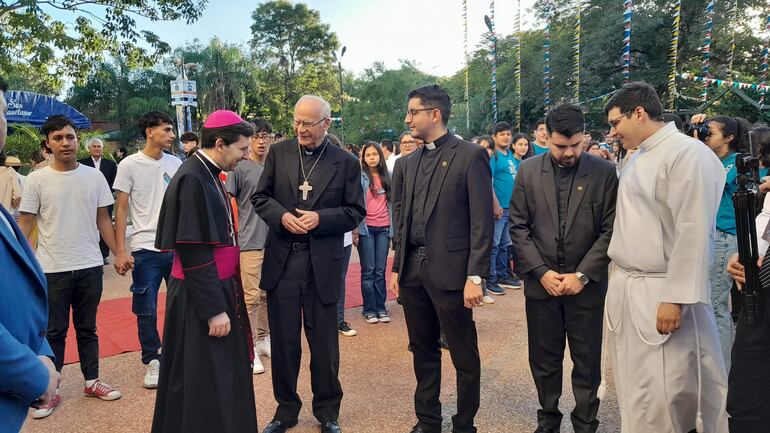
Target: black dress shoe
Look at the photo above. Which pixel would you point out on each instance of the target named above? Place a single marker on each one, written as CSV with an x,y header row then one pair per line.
x,y
420,429
276,426
542,429
330,427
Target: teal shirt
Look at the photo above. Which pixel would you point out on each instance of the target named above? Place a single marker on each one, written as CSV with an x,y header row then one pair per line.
x,y
726,213
538,150
504,169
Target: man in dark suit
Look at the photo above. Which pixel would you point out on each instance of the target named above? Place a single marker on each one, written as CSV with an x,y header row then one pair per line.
x,y
27,374
109,169
561,216
442,252
309,195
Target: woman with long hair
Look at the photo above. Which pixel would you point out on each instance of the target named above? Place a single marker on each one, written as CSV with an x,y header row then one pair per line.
x,y
374,232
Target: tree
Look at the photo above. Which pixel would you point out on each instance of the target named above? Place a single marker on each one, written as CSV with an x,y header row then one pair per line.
x,y
378,103
290,40
52,48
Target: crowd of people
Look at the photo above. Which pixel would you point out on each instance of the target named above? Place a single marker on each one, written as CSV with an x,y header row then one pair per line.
x,y
625,249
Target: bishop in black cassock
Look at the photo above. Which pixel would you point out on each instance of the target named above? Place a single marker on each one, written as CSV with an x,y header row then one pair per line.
x,y
205,380
309,194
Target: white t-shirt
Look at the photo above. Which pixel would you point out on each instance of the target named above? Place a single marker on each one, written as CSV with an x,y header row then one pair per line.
x,y
145,179
66,204
390,162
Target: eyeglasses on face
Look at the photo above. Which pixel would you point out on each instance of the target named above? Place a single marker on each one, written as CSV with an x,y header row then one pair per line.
x,y
306,124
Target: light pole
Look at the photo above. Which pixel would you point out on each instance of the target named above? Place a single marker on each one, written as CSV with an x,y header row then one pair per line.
x,y
185,120
342,99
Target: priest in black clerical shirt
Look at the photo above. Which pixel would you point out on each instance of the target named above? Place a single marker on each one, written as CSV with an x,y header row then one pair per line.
x,y
443,248
309,194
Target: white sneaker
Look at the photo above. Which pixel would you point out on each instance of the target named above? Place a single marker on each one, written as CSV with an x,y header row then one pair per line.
x,y
258,367
153,372
45,410
262,348
488,300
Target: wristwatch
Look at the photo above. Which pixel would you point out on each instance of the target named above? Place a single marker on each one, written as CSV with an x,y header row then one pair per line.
x,y
475,279
582,278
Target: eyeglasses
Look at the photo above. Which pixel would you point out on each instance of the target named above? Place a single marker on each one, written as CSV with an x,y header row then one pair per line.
x,y
614,122
262,136
304,124
413,111
409,142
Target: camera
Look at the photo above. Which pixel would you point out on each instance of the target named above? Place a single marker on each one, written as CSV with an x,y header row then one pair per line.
x,y
702,129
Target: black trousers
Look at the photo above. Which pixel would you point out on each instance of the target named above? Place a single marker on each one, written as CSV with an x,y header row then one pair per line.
x,y
549,321
748,391
426,310
294,300
82,291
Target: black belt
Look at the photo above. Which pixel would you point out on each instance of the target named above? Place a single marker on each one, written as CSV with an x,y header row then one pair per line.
x,y
299,246
420,251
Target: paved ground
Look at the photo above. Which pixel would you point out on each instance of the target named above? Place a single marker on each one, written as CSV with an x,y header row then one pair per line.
x,y
376,375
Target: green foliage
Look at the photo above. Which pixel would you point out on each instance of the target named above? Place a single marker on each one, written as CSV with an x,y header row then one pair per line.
x,y
52,48
378,107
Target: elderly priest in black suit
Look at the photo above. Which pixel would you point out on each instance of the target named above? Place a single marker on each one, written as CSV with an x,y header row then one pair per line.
x,y
309,194
444,241
109,169
561,216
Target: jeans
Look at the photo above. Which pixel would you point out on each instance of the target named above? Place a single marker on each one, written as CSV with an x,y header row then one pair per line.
x,y
725,245
150,267
498,266
373,252
81,290
341,301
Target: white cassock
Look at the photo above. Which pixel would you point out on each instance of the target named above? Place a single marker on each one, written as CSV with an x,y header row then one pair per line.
x,y
661,249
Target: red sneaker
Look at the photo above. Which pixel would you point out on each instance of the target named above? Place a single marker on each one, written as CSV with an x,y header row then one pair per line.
x,y
47,409
102,391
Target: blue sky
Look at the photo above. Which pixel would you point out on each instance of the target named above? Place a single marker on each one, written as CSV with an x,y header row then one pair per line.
x,y
428,31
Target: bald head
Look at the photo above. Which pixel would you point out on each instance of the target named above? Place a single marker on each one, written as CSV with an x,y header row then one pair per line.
x,y
311,120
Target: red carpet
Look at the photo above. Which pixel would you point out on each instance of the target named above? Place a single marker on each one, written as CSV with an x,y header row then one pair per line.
x,y
116,324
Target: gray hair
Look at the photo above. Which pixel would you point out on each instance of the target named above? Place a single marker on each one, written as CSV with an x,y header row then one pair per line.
x,y
94,140
326,109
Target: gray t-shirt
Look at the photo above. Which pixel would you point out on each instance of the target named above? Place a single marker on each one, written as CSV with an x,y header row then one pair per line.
x,y
242,184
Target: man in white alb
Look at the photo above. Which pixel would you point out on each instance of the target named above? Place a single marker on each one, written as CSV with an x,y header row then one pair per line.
x,y
669,369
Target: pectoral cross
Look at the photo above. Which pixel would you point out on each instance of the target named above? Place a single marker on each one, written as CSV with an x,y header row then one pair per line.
x,y
305,188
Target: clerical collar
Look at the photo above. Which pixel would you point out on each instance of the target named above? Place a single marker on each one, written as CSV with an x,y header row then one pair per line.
x,y
658,137
438,142
208,158
316,150
562,168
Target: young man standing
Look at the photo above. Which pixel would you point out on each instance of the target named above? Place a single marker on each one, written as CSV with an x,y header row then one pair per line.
x,y
140,184
669,371
443,246
69,201
504,165
562,210
540,145
252,234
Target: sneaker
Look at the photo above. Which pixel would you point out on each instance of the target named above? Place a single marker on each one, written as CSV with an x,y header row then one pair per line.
x,y
102,391
346,330
371,318
494,289
512,282
151,378
258,367
45,410
263,348
383,317
488,300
